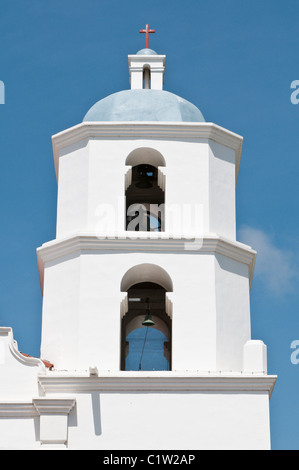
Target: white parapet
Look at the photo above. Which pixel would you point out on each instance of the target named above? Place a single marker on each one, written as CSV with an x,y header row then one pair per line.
x,y
255,357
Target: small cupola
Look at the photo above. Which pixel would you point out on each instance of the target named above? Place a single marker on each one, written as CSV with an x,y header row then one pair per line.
x,y
146,67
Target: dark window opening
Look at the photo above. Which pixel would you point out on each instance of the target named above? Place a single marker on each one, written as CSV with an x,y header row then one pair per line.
x,y
146,78
144,200
146,330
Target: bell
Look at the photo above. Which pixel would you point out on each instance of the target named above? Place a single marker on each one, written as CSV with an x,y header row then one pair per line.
x,y
148,321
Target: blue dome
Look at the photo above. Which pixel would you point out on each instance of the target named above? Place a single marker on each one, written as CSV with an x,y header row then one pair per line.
x,y
144,105
146,52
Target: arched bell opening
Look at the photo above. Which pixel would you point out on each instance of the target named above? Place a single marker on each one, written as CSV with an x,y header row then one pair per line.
x,y
145,199
145,190
146,329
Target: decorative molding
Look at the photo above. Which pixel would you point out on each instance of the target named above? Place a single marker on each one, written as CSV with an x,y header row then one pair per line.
x,y
20,357
143,58
145,382
54,405
17,410
36,407
80,243
150,130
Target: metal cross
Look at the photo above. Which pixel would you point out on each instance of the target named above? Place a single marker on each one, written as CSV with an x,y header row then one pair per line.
x,y
147,31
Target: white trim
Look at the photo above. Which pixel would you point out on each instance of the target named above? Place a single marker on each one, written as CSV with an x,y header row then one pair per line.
x,y
9,409
144,242
54,405
36,407
145,382
152,130
143,58
13,348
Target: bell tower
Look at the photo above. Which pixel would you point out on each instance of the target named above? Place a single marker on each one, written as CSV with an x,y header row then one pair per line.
x,y
146,291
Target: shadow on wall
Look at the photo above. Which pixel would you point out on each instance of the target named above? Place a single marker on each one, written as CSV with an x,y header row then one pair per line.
x,y
96,412
96,409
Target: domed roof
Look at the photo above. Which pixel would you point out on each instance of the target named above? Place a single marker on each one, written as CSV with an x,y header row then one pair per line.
x,y
146,52
144,105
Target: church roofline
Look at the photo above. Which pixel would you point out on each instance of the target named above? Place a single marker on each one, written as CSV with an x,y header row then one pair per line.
x,y
172,130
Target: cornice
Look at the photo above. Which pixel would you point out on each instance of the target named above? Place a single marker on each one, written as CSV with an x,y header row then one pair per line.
x,y
149,130
83,243
54,405
143,58
9,409
36,407
129,382
157,382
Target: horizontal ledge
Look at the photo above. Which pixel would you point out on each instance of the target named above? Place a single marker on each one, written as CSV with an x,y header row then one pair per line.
x,y
36,407
19,409
143,57
54,405
143,382
80,243
196,130
145,242
147,129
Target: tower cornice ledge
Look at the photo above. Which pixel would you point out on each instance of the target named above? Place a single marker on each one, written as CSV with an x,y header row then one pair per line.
x,y
147,130
156,382
87,243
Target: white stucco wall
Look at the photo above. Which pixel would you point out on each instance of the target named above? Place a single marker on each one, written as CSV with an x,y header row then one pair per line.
x,y
170,421
200,186
81,309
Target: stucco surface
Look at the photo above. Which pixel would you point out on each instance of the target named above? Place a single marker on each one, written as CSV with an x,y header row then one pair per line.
x,y
144,105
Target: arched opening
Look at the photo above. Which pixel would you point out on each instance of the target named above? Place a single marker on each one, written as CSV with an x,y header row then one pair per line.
x,y
146,272
146,323
146,329
145,191
146,77
145,155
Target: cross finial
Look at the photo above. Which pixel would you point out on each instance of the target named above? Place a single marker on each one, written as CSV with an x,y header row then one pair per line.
x,y
147,31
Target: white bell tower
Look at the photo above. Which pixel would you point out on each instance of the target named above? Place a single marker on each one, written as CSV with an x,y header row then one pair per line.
x,y
146,291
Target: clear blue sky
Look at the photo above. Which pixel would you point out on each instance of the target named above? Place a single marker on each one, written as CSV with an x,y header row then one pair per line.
x,y
233,59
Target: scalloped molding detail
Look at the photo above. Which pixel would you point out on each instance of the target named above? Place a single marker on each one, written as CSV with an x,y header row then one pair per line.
x,y
13,348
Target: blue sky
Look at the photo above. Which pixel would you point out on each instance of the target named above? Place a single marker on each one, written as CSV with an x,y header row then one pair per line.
x,y
233,59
